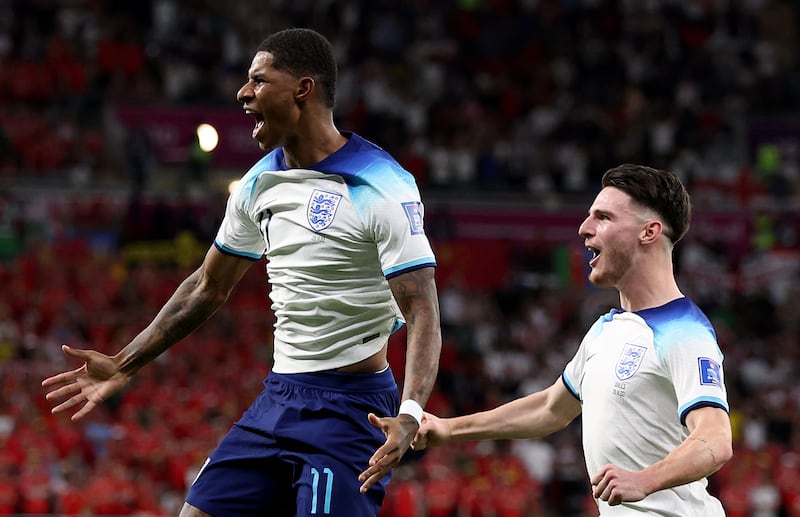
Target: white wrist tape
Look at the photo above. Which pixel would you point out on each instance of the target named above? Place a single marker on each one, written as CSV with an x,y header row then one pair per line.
x,y
411,407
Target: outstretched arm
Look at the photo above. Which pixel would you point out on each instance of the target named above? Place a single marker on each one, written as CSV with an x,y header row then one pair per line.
x,y
533,416
198,297
706,449
416,296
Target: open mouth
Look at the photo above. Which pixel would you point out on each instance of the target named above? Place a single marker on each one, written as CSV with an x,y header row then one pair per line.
x,y
595,254
259,121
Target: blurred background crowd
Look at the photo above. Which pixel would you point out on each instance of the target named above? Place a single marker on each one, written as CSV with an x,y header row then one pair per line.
x,y
506,111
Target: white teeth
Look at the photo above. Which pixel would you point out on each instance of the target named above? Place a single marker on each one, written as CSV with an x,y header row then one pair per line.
x,y
259,124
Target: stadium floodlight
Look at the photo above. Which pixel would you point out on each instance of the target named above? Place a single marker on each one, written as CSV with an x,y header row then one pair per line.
x,y
207,137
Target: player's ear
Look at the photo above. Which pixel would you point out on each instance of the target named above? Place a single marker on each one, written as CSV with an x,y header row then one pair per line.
x,y
305,86
651,231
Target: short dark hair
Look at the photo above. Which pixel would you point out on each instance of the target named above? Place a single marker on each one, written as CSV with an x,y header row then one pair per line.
x,y
658,190
304,52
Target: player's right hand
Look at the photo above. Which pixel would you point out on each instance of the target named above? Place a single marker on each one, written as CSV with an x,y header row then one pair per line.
x,y
91,384
399,431
434,431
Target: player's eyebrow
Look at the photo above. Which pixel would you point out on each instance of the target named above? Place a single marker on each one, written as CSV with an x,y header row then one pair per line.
x,y
596,212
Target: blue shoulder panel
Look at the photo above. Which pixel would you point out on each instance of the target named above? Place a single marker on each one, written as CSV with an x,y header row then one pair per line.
x,y
273,161
677,322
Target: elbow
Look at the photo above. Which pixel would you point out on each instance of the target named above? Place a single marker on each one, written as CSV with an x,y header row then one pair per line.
x,y
721,453
218,298
725,447
210,296
725,454
210,291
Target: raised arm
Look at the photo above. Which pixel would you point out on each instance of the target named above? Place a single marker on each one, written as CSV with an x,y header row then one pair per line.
x,y
533,416
706,449
416,296
198,297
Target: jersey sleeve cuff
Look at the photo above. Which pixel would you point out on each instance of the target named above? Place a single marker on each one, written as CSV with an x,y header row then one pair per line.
x,y
235,253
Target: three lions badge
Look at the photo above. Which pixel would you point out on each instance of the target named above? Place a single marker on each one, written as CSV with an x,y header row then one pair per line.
x,y
322,209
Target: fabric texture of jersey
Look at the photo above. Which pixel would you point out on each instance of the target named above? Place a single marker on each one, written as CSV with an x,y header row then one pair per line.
x,y
637,375
332,234
299,448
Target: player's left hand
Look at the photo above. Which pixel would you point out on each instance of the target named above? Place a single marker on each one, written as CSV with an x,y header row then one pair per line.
x,y
399,431
616,485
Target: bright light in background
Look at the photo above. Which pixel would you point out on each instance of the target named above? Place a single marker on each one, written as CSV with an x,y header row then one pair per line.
x,y
232,186
207,137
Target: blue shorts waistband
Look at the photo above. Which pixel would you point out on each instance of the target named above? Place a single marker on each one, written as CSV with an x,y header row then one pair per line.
x,y
341,381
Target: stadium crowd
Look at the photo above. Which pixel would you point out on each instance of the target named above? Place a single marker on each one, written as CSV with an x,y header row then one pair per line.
x,y
528,99
537,96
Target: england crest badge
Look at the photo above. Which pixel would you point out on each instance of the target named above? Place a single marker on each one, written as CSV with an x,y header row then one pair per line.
x,y
629,361
322,209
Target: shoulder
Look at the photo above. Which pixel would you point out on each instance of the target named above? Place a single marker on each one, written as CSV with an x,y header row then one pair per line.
x,y
362,162
246,188
680,324
679,316
604,319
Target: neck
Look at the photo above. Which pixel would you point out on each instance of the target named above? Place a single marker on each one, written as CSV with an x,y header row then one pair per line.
x,y
313,143
652,287
645,299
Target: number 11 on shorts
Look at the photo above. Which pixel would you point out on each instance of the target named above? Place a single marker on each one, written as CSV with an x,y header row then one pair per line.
x,y
326,505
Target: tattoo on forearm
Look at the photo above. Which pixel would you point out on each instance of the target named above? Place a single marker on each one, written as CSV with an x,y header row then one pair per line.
x,y
707,447
184,315
184,312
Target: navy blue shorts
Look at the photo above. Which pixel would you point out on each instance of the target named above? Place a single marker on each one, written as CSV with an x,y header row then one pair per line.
x,y
299,448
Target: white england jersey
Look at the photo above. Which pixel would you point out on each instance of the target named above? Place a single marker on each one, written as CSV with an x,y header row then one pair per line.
x,y
332,234
637,375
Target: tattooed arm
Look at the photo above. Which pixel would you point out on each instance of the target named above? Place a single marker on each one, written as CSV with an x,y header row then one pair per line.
x,y
416,295
197,298
415,292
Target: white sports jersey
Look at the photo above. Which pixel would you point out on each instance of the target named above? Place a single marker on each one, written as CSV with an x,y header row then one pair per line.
x,y
332,236
637,375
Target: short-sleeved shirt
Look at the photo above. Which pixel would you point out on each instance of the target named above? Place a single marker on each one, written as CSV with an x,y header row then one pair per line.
x,y
637,375
333,234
